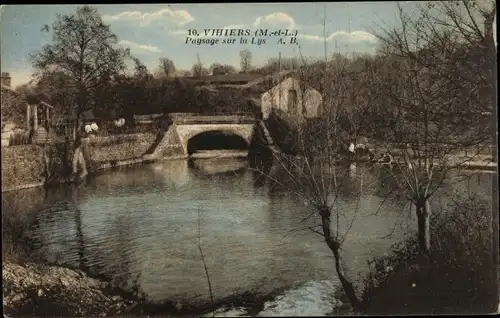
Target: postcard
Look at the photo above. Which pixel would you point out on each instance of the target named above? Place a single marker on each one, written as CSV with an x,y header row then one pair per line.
x,y
249,159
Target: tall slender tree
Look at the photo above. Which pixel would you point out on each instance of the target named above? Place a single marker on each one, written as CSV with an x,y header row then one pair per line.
x,y
246,60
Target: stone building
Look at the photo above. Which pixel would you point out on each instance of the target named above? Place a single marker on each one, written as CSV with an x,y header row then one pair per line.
x,y
292,97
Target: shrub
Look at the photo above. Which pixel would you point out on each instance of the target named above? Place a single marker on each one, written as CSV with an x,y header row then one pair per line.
x,y
460,276
19,138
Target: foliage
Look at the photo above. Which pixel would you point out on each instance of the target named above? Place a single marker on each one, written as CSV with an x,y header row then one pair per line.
x,y
83,49
13,108
460,261
167,67
218,68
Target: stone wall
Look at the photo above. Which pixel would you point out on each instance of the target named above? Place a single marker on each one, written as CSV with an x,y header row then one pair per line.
x,y
24,166
119,147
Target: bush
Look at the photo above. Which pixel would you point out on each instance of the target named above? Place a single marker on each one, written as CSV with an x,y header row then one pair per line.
x,y
22,165
459,277
19,138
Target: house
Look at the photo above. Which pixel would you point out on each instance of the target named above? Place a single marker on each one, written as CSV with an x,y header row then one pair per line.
x,y
293,97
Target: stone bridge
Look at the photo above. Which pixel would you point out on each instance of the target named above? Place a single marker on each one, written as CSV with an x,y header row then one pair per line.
x,y
185,126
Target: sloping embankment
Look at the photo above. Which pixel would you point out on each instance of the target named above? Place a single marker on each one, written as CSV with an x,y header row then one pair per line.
x,y
42,290
22,167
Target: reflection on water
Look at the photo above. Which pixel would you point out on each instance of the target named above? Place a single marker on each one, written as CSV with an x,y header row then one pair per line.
x,y
142,224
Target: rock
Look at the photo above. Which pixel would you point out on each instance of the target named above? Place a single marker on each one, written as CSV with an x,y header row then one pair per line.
x,y
60,291
64,282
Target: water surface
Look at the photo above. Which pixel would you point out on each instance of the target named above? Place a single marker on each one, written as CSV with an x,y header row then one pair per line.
x,y
143,226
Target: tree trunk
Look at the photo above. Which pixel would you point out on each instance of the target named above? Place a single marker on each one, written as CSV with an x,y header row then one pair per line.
x,y
335,248
423,219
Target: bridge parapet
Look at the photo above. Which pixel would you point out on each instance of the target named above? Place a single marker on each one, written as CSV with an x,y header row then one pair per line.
x,y
193,119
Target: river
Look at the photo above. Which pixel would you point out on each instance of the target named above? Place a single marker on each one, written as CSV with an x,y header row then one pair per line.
x,y
141,226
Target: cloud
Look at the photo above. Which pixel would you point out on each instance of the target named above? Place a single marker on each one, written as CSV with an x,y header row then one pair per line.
x,y
202,35
143,47
354,36
177,17
275,19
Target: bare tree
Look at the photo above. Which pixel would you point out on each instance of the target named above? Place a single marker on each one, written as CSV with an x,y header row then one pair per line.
x,y
245,60
292,63
316,173
198,69
442,97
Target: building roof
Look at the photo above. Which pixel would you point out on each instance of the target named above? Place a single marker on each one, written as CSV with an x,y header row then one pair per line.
x,y
224,78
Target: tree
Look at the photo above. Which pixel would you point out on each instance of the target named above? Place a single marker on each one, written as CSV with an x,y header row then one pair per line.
x,y
50,87
167,67
315,170
140,70
245,60
286,64
198,69
218,68
84,49
444,90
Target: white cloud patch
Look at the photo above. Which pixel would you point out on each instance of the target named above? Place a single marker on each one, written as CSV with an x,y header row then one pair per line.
x,y
354,36
138,46
278,19
177,17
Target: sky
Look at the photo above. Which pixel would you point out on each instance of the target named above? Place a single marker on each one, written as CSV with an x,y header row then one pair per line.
x,y
154,31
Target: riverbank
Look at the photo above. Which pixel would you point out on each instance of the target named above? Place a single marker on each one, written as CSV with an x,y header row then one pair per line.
x,y
24,167
459,275
43,290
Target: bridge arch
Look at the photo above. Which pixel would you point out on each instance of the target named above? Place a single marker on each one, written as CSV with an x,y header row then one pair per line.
x,y
186,132
216,139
